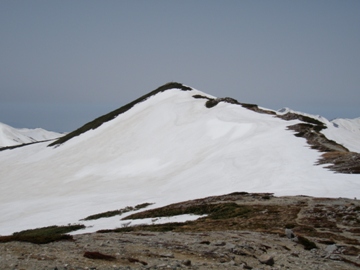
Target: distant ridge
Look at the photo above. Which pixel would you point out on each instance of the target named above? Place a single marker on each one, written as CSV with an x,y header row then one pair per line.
x,y
107,117
11,137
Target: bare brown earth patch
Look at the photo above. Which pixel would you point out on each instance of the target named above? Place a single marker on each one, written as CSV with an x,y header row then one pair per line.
x,y
327,218
240,231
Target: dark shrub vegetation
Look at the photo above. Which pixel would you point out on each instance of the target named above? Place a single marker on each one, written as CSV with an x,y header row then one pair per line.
x,y
166,227
117,212
201,97
214,211
43,235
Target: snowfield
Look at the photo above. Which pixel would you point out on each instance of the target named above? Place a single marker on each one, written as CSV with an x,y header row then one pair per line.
x,y
346,132
167,149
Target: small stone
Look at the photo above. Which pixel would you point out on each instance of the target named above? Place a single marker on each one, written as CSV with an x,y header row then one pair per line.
x,y
167,255
295,239
205,243
245,266
242,252
289,233
230,246
335,257
331,248
266,259
187,263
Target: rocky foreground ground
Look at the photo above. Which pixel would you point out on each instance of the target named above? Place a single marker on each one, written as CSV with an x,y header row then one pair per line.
x,y
241,231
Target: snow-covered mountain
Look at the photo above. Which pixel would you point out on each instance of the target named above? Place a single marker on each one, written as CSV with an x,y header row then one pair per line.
x,y
10,136
173,144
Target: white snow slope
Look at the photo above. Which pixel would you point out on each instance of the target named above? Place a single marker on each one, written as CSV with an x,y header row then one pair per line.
x,y
345,132
167,149
10,136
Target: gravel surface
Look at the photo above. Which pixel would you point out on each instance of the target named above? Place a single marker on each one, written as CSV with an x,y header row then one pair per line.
x,y
174,250
274,233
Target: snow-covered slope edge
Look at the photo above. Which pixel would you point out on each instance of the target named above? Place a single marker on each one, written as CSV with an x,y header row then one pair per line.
x,y
336,156
344,131
10,136
108,117
168,148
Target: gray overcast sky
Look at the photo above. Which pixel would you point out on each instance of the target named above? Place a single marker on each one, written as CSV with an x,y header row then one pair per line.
x,y
64,63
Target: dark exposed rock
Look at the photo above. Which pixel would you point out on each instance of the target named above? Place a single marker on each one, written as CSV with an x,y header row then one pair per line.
x,y
293,116
212,102
219,243
98,256
316,139
340,158
289,233
134,260
342,162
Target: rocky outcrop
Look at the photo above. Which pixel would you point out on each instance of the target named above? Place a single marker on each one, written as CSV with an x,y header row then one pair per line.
x,y
341,160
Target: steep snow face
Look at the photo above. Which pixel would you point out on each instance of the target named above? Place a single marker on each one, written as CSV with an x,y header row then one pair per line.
x,y
166,149
10,136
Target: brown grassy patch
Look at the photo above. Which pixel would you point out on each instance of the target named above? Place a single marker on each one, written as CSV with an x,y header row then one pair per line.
x,y
117,212
262,213
43,235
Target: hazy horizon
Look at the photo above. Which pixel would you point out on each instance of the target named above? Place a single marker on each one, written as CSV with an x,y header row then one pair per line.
x,y
64,63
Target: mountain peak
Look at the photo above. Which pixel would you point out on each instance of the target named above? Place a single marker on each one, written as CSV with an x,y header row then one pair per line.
x,y
109,116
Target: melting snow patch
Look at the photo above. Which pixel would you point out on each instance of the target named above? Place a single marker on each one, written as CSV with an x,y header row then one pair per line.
x,y
108,223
